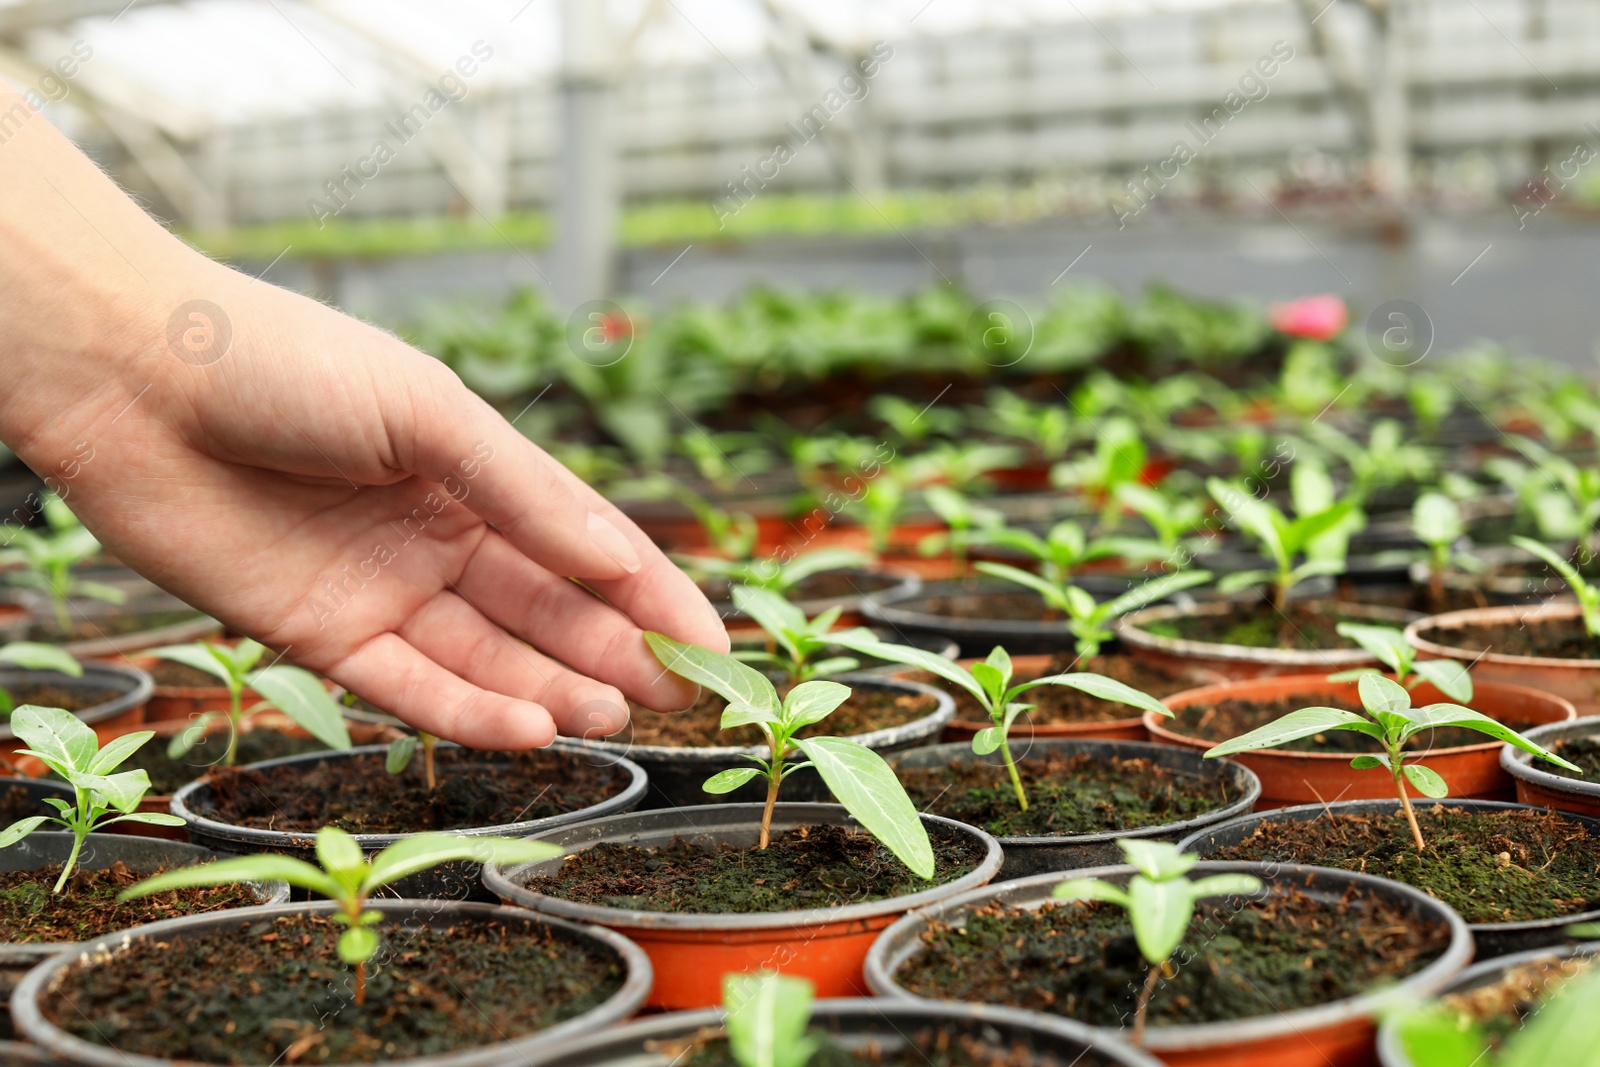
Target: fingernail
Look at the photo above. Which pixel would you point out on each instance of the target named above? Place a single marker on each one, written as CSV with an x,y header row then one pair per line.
x,y
608,539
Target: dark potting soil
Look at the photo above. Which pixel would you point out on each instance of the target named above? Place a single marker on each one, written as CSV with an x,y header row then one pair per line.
x,y
358,795
182,676
1080,960
108,625
1067,794
46,695
700,726
1499,1007
168,775
1058,704
1230,718
804,867
276,992
16,804
828,585
1492,867
1584,751
1553,639
924,1048
1301,628
87,908
1021,606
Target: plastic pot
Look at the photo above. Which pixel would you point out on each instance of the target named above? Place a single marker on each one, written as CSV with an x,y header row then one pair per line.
x,y
677,774
1576,679
1338,1034
158,618
1492,939
866,585
1031,855
108,717
1390,1051
756,639
861,1025
691,953
1539,787
45,848
912,613
1473,772
185,702
449,881
1240,661
32,1024
14,622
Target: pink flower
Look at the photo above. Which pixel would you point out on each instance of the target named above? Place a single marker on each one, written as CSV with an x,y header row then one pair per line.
x,y
1321,318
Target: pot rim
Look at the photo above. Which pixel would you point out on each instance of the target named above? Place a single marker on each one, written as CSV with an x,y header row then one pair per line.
x,y
267,840
193,629
30,1021
1590,823
137,687
1130,629
1156,724
1518,613
504,883
880,968
886,610
902,582
1525,769
937,719
1136,719
1239,771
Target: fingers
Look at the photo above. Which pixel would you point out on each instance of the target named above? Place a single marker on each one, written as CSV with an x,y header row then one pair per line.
x,y
569,623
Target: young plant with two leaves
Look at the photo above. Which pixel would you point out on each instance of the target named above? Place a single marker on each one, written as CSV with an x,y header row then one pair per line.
x,y
1088,619
347,877
101,795
403,749
1160,901
766,1016
46,561
1118,459
1390,648
967,523
1588,595
1065,548
1436,522
856,775
990,683
802,640
296,692
779,576
1390,721
34,656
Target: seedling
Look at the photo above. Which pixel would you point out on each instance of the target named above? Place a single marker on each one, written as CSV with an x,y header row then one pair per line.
x,y
968,524
349,878
1088,619
47,561
772,574
858,776
990,684
1390,647
733,533
99,797
1118,459
297,693
1588,595
1046,427
1391,721
1160,903
33,656
880,506
913,423
1436,521
402,749
1064,548
1171,517
1283,540
788,628
964,467
765,1016
1570,508
1386,458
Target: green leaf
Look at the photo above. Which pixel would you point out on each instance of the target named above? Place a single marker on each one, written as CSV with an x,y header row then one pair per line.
x,y
1050,591
184,740
1307,722
121,791
421,851
1427,781
1160,913
301,695
1385,695
55,736
1435,1036
736,715
1447,676
1090,889
34,656
100,591
732,778
1157,860
20,829
771,612
765,1017
1224,885
723,675
196,656
869,790
992,680
1436,715
1436,519
1369,762
1239,581
811,702
835,665
154,818
1565,1030
357,944
1153,590
341,856
987,740
1386,644
1098,685
265,867
804,566
401,749
246,654
867,643
117,750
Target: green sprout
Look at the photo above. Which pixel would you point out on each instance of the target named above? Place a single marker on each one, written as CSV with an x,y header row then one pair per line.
x,y
1160,903
1118,459
1065,548
1390,647
1436,522
788,628
1170,517
1588,595
46,561
858,776
914,423
1088,619
765,1016
403,748
348,878
989,682
967,523
294,691
1046,427
778,576
34,656
101,795
1391,721
1284,541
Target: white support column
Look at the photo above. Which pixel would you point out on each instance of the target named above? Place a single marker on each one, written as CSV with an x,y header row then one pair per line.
x,y
588,186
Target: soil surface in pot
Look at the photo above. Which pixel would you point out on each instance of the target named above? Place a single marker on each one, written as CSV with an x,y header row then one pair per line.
x,y
1300,629
1080,959
109,625
1230,718
829,585
1068,794
173,675
87,908
1500,1007
1059,704
277,992
804,867
925,1048
16,804
1584,751
46,695
1552,639
168,775
1492,867
1020,606
701,725
357,794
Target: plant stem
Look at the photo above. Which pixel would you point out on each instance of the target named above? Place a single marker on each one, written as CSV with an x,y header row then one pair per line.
x,y
772,802
428,744
1142,1012
1405,802
235,718
361,983
72,860
1011,769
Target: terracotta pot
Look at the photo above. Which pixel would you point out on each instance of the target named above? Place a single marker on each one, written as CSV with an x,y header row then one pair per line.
x,y
1338,1034
14,622
691,953
1491,939
108,717
1540,787
1239,661
1472,771
1026,855
673,527
1578,680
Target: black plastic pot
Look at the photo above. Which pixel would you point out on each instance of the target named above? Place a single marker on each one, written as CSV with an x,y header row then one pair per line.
x,y
132,686
691,952
912,613
1033,855
1492,939
141,854
1535,785
861,1024
677,774
166,621
32,1024
34,792
1390,1051
1340,1032
450,881
16,1054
